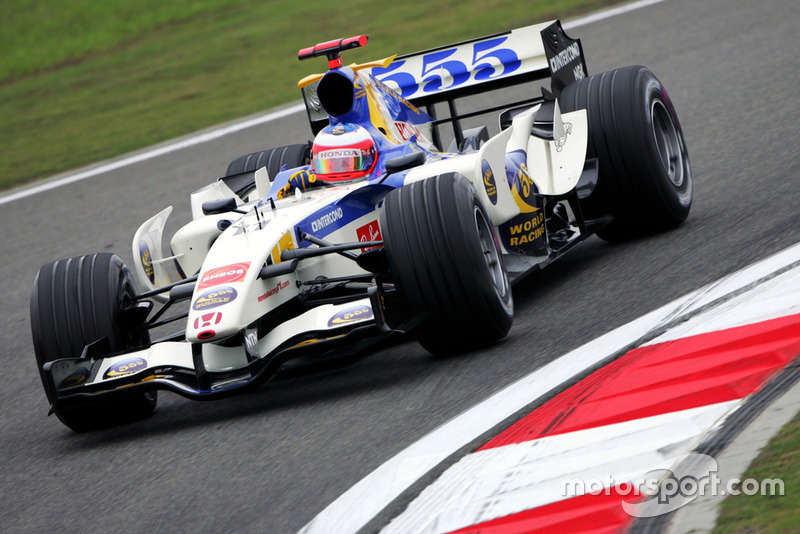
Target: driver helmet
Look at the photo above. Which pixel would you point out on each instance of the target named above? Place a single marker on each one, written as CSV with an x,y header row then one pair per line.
x,y
343,153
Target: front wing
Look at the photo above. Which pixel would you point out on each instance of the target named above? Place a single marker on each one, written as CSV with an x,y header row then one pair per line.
x,y
208,371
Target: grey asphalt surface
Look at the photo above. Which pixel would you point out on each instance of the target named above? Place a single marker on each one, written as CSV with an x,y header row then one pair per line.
x,y
270,460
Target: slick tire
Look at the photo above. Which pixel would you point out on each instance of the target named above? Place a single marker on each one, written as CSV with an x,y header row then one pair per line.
x,y
273,159
74,303
645,180
445,264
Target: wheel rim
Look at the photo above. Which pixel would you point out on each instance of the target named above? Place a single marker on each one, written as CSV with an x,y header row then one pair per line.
x,y
490,253
668,142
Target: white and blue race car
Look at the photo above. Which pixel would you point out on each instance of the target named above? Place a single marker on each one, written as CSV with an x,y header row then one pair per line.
x,y
310,253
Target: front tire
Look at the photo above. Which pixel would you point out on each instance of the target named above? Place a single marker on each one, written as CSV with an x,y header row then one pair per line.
x,y
645,179
445,263
74,303
273,159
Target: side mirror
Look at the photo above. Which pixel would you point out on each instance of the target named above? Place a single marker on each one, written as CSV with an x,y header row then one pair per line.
x,y
402,163
213,207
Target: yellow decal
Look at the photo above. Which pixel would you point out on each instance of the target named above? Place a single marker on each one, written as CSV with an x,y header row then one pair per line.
x,y
315,340
525,182
284,243
385,62
376,114
308,80
311,78
125,367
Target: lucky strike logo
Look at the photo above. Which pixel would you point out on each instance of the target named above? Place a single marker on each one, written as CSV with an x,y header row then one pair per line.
x,y
125,367
351,315
488,181
215,297
228,274
369,232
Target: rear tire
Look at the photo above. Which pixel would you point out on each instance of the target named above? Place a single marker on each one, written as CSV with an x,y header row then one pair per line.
x,y
74,303
645,179
445,262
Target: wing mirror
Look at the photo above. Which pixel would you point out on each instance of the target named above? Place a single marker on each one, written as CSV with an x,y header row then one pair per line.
x,y
213,207
415,159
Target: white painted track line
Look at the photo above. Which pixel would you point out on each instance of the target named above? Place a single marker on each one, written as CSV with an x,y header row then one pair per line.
x,y
152,153
609,13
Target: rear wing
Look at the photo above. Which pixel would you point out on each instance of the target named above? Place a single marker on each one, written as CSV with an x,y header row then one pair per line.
x,y
447,73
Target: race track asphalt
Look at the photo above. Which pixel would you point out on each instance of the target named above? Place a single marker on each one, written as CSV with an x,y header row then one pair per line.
x,y
270,460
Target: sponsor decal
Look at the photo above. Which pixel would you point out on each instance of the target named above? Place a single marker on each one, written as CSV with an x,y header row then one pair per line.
x,y
353,314
526,231
207,319
488,182
414,109
331,218
361,92
327,219
125,367
274,291
340,129
75,379
224,275
524,191
407,130
369,232
147,261
561,141
215,297
565,57
448,68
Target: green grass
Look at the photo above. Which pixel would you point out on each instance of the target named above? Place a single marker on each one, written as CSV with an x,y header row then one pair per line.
x,y
765,514
82,80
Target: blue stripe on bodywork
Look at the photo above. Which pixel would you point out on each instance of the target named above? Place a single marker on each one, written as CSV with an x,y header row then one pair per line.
x,y
342,212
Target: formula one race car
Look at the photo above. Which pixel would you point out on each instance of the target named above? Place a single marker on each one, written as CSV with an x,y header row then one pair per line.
x,y
309,253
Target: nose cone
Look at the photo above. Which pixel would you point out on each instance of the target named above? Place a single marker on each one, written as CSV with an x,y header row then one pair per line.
x,y
212,316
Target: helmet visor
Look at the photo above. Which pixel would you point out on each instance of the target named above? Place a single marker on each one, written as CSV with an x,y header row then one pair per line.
x,y
342,160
